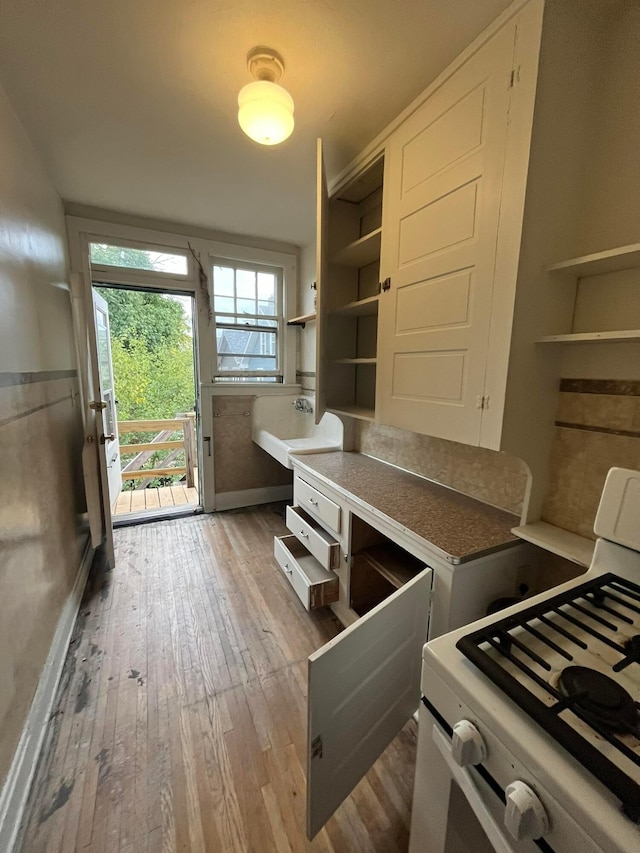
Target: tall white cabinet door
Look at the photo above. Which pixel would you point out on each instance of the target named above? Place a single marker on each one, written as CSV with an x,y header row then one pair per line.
x,y
363,687
440,226
322,217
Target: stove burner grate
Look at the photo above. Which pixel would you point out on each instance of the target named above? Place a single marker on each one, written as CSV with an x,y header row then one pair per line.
x,y
609,710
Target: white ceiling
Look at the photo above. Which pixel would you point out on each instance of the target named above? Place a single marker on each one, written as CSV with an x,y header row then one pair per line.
x,y
132,103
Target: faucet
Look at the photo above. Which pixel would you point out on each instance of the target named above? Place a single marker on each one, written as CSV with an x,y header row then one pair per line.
x,y
302,405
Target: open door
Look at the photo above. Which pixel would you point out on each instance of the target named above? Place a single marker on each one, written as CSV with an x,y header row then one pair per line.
x,y
322,204
110,438
94,457
364,685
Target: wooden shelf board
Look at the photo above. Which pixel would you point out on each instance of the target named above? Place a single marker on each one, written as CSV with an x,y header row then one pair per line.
x,y
359,308
300,321
392,565
361,252
623,258
353,412
576,548
355,361
592,337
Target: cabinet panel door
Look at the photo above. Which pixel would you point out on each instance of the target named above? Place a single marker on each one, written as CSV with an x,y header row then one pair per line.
x,y
322,205
363,687
444,183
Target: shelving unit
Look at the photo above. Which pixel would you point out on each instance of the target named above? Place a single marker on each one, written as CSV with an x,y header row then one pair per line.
x,y
351,294
593,296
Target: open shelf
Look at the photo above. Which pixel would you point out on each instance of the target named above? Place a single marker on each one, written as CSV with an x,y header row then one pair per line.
x,y
592,337
623,258
566,544
355,361
360,308
302,320
361,252
353,412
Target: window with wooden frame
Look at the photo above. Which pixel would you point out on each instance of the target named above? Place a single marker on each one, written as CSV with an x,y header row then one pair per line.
x,y
247,305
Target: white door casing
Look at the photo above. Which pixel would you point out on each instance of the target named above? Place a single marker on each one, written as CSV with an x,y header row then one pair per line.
x,y
363,687
322,206
441,214
107,390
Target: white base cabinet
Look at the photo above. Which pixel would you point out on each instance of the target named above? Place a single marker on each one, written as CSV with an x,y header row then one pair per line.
x,y
392,591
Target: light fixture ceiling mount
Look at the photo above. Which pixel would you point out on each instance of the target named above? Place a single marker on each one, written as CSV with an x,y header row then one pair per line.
x,y
265,109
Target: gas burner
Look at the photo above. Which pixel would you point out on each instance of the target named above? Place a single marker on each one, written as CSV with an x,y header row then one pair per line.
x,y
599,699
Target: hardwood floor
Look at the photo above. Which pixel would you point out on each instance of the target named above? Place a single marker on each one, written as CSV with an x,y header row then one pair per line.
x,y
180,722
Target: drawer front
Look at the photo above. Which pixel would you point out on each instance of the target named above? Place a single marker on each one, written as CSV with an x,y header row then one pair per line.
x,y
315,502
314,537
314,585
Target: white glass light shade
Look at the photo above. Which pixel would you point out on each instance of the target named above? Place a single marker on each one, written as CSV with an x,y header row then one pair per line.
x,y
265,112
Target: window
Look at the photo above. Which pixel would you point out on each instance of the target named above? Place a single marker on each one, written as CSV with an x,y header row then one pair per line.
x,y
105,254
247,303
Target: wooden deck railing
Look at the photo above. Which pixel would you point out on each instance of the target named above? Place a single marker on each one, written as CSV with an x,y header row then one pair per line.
x,y
163,428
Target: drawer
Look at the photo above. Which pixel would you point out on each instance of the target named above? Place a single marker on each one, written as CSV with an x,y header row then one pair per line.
x,y
314,585
314,537
318,504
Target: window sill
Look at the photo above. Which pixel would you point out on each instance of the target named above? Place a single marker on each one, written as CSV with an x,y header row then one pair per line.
x,y
230,389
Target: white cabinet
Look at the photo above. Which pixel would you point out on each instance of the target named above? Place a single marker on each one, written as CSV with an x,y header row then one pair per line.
x,y
392,590
416,314
363,687
442,216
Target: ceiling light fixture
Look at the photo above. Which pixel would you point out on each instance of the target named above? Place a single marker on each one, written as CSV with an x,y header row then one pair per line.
x,y
265,110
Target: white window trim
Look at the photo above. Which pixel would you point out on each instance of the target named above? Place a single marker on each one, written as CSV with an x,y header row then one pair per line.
x,y
226,377
226,252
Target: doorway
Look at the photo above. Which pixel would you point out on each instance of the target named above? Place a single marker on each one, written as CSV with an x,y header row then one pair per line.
x,y
147,368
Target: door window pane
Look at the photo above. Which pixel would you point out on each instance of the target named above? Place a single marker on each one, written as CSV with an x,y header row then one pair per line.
x,y
138,259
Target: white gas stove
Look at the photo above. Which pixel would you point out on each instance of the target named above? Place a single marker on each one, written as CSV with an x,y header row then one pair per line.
x,y
534,713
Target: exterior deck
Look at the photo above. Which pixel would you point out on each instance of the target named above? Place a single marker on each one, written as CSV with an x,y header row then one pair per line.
x,y
138,500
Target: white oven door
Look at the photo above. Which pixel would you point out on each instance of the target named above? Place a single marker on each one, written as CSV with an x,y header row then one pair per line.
x,y
454,809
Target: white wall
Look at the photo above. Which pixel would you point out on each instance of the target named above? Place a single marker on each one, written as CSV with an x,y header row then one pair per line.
x,y
41,494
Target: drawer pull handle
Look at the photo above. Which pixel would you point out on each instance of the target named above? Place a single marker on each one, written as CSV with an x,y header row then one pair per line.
x,y
287,569
311,501
305,535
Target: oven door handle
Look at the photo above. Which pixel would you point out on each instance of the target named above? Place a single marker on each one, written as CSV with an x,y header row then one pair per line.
x,y
466,782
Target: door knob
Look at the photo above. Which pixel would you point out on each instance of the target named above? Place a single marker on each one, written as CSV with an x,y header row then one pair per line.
x,y
105,438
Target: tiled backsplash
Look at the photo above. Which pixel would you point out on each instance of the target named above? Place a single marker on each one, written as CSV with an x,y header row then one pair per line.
x,y
495,478
597,428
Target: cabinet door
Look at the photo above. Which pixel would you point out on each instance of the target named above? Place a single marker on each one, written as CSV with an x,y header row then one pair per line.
x,y
322,205
440,226
363,687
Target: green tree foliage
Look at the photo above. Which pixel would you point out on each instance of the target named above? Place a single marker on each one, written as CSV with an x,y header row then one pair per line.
x,y
148,317
154,383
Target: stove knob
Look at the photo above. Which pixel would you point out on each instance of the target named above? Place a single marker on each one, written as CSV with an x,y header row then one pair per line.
x,y
467,745
524,817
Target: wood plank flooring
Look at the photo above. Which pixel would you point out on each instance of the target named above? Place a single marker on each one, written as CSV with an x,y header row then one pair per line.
x,y
137,500
180,721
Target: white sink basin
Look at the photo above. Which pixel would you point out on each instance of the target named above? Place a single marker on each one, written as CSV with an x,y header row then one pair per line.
x,y
283,431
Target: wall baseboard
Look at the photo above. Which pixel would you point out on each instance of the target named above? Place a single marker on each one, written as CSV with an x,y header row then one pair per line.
x,y
13,797
251,497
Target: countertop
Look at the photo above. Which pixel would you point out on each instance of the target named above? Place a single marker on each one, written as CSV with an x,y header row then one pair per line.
x,y
460,527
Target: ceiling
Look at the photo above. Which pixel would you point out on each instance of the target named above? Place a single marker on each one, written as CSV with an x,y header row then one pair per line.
x,y
133,105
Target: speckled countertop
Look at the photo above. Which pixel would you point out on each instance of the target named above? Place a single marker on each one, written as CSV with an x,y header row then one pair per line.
x,y
459,526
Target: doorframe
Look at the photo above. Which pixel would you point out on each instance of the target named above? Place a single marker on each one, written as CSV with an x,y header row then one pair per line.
x,y
82,231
